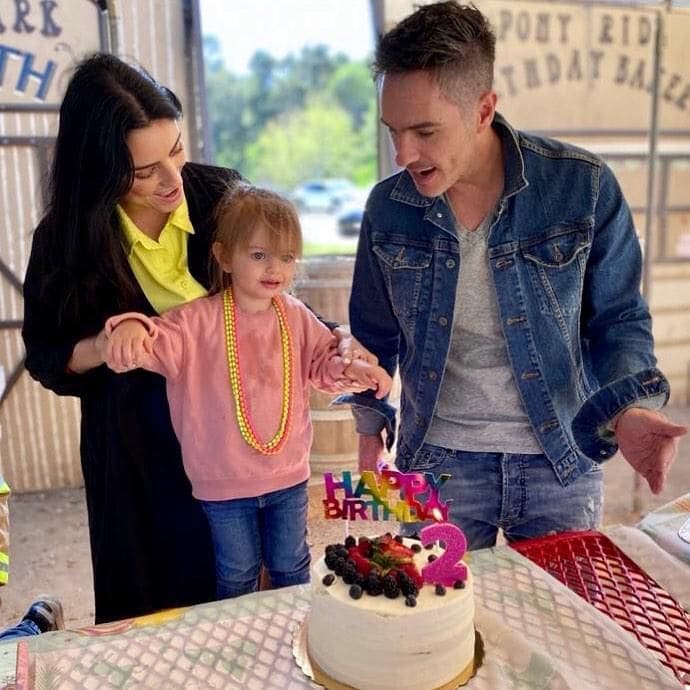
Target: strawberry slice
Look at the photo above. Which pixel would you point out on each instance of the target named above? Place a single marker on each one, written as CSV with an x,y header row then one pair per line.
x,y
363,565
411,571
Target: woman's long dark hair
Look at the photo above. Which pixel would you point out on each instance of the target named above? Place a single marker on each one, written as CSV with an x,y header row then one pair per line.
x,y
91,170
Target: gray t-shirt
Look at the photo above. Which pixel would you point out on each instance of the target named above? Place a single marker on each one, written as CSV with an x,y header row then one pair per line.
x,y
479,407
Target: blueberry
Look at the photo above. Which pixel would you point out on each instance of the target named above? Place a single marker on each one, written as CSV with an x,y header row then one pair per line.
x,y
440,590
356,592
410,601
459,584
328,580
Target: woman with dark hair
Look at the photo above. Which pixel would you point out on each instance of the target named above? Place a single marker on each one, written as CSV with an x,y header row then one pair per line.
x,y
128,227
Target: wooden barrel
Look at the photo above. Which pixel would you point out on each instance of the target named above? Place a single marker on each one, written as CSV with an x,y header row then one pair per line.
x,y
324,283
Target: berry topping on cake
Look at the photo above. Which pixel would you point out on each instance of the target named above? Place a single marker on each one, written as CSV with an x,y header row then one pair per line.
x,y
411,601
440,590
379,565
328,580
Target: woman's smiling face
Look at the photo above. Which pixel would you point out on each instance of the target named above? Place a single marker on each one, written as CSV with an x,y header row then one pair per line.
x,y
158,156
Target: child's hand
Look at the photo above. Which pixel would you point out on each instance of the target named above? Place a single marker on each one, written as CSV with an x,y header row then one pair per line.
x,y
370,376
126,345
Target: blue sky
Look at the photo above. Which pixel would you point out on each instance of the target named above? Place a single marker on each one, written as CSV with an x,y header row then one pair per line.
x,y
283,26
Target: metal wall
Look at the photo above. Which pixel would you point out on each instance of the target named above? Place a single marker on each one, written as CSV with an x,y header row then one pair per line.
x,y
39,446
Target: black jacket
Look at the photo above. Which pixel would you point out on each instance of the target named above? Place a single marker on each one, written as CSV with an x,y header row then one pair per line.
x,y
150,542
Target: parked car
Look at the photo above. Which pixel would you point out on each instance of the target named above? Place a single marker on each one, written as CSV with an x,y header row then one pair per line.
x,y
349,221
325,196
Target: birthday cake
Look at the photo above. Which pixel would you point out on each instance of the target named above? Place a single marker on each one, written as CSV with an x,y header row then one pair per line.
x,y
380,621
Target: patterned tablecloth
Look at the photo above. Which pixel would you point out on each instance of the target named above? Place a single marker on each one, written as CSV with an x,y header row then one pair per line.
x,y
536,632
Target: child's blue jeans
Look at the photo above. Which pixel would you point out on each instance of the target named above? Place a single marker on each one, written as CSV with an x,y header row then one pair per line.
x,y
269,529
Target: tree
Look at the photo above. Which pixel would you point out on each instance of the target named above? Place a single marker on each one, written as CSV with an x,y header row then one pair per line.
x,y
318,141
353,88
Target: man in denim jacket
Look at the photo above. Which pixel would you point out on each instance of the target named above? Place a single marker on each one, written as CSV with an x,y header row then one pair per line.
x,y
500,271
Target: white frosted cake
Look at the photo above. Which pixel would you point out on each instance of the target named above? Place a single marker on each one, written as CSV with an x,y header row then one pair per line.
x,y
421,638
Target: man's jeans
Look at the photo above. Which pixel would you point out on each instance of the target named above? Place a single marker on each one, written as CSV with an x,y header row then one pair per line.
x,y
519,494
24,628
269,529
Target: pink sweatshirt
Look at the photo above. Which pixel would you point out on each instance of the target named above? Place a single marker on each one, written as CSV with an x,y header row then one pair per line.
x,y
189,350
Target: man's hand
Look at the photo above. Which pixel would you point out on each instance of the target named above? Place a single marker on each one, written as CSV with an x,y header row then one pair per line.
x,y
649,442
350,349
370,450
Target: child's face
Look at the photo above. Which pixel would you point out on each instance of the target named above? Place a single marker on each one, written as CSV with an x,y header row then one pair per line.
x,y
257,272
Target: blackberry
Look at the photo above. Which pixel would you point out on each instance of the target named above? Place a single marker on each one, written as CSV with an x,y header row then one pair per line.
x,y
429,546
342,551
330,560
350,541
431,558
410,601
440,590
360,580
330,548
328,580
398,538
390,587
416,547
349,573
356,592
407,586
459,584
339,568
373,585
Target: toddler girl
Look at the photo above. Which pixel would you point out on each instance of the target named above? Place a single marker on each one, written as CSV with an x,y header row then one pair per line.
x,y
239,365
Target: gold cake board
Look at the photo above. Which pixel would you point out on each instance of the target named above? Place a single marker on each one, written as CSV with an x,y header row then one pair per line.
x,y
318,675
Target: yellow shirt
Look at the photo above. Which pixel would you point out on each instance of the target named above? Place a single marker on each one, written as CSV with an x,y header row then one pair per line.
x,y
161,267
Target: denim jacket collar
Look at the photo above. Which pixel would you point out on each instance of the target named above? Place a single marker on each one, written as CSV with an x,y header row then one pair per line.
x,y
514,166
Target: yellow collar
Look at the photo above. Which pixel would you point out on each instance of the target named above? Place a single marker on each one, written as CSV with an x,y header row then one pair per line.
x,y
179,219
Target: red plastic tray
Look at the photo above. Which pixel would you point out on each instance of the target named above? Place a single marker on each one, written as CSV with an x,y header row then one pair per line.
x,y
591,565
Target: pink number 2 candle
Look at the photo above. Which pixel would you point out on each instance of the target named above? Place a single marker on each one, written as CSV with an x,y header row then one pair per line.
x,y
445,570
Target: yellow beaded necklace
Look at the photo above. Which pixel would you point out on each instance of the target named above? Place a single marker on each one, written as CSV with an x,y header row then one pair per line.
x,y
246,429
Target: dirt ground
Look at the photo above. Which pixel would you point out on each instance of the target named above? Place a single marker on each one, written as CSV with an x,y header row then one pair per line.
x,y
50,550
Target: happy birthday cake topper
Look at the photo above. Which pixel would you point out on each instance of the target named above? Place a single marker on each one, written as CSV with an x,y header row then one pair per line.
x,y
390,495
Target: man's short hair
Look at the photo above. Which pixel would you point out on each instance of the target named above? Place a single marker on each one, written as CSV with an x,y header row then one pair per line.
x,y
452,41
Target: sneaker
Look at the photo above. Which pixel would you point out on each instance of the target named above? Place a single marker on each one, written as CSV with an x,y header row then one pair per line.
x,y
46,613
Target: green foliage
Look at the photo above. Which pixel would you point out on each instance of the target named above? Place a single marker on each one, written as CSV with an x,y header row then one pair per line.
x,y
316,141
306,116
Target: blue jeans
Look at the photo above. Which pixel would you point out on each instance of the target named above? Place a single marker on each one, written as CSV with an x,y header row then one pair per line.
x,y
269,529
24,628
519,494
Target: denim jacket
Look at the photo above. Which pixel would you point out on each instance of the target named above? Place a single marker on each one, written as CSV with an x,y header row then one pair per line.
x,y
566,265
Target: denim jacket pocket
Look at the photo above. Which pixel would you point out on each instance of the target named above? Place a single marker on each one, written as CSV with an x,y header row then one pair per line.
x,y
403,266
556,266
